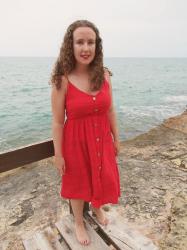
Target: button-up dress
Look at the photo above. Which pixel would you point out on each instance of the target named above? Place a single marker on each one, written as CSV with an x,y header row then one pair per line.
x,y
87,146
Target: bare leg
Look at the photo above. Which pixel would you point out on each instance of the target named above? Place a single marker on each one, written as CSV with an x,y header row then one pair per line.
x,y
80,230
102,219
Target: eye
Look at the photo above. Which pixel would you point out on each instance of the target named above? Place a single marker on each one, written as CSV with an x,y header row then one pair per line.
x,y
79,42
91,42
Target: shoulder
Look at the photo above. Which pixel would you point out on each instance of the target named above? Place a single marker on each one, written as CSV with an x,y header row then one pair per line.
x,y
62,86
64,83
58,95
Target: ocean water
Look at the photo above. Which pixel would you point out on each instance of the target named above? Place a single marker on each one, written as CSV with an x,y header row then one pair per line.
x,y
145,91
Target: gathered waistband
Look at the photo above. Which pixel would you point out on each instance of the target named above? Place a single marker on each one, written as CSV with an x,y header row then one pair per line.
x,y
87,116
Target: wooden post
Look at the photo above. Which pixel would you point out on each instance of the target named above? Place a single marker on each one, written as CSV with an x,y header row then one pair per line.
x,y
86,207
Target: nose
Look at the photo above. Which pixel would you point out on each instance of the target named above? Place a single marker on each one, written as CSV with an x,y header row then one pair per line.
x,y
85,47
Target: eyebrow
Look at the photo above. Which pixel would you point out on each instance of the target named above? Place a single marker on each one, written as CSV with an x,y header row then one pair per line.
x,y
81,39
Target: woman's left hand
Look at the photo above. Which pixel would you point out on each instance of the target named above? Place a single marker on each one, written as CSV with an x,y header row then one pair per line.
x,y
116,147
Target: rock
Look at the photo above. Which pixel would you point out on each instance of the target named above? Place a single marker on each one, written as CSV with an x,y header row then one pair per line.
x,y
177,162
153,198
176,237
180,163
178,122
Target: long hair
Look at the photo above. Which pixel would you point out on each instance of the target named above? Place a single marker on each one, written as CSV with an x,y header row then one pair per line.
x,y
66,62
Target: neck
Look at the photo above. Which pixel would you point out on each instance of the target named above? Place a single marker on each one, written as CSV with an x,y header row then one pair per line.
x,y
81,69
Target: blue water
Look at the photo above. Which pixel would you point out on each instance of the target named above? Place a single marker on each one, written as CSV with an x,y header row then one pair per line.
x,y
145,91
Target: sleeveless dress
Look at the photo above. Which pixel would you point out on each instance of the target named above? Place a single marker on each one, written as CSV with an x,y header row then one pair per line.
x,y
87,146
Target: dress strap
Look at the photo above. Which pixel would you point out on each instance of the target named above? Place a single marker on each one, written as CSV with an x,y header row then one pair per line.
x,y
67,83
106,73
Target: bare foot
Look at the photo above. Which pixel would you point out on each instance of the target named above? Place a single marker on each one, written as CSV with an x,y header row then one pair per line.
x,y
102,219
81,234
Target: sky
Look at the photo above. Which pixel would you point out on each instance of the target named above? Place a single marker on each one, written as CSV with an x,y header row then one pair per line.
x,y
128,28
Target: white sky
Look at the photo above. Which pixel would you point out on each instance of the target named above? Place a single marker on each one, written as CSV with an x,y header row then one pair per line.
x,y
129,28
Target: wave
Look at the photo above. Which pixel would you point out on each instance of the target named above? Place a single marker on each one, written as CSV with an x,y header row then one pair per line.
x,y
158,112
176,98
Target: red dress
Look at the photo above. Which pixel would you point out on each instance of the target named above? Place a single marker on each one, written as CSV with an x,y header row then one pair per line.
x,y
88,149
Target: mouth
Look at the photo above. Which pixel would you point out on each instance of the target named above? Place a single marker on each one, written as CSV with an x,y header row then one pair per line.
x,y
85,56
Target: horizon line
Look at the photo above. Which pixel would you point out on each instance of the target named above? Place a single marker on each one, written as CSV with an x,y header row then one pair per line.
x,y
103,57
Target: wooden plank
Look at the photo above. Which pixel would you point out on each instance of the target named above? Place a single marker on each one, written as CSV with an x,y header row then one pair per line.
x,y
124,236
31,244
66,228
114,244
45,240
25,155
60,238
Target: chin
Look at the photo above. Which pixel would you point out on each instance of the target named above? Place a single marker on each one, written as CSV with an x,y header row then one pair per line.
x,y
85,63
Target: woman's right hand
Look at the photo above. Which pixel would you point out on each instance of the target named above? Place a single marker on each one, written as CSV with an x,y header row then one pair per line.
x,y
60,164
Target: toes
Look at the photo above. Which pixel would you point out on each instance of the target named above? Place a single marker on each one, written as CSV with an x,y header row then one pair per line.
x,y
83,242
105,221
86,242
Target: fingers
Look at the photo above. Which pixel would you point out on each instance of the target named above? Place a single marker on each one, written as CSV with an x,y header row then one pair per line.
x,y
62,170
117,152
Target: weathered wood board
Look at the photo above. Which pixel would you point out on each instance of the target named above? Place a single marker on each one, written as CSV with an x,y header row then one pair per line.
x,y
122,234
44,240
117,234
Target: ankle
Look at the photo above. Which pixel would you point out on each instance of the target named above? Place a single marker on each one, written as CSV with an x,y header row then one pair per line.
x,y
79,223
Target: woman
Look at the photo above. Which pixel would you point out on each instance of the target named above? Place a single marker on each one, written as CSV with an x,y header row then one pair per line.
x,y
87,142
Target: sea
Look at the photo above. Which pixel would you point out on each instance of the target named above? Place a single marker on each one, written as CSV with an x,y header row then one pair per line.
x,y
146,91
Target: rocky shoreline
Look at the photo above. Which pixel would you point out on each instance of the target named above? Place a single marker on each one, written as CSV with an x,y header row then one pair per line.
x,y
153,173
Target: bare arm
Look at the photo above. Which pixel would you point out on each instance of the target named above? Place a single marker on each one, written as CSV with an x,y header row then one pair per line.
x,y
112,112
58,116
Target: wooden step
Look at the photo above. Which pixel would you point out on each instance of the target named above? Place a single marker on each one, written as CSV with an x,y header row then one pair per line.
x,y
117,234
122,234
66,228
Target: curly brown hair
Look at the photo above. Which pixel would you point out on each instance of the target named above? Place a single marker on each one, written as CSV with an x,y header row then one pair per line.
x,y
66,62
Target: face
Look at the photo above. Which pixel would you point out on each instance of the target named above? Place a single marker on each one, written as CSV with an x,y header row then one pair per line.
x,y
84,43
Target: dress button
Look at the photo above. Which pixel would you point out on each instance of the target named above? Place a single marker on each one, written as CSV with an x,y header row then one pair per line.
x,y
99,167
95,124
97,138
94,98
98,154
96,110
